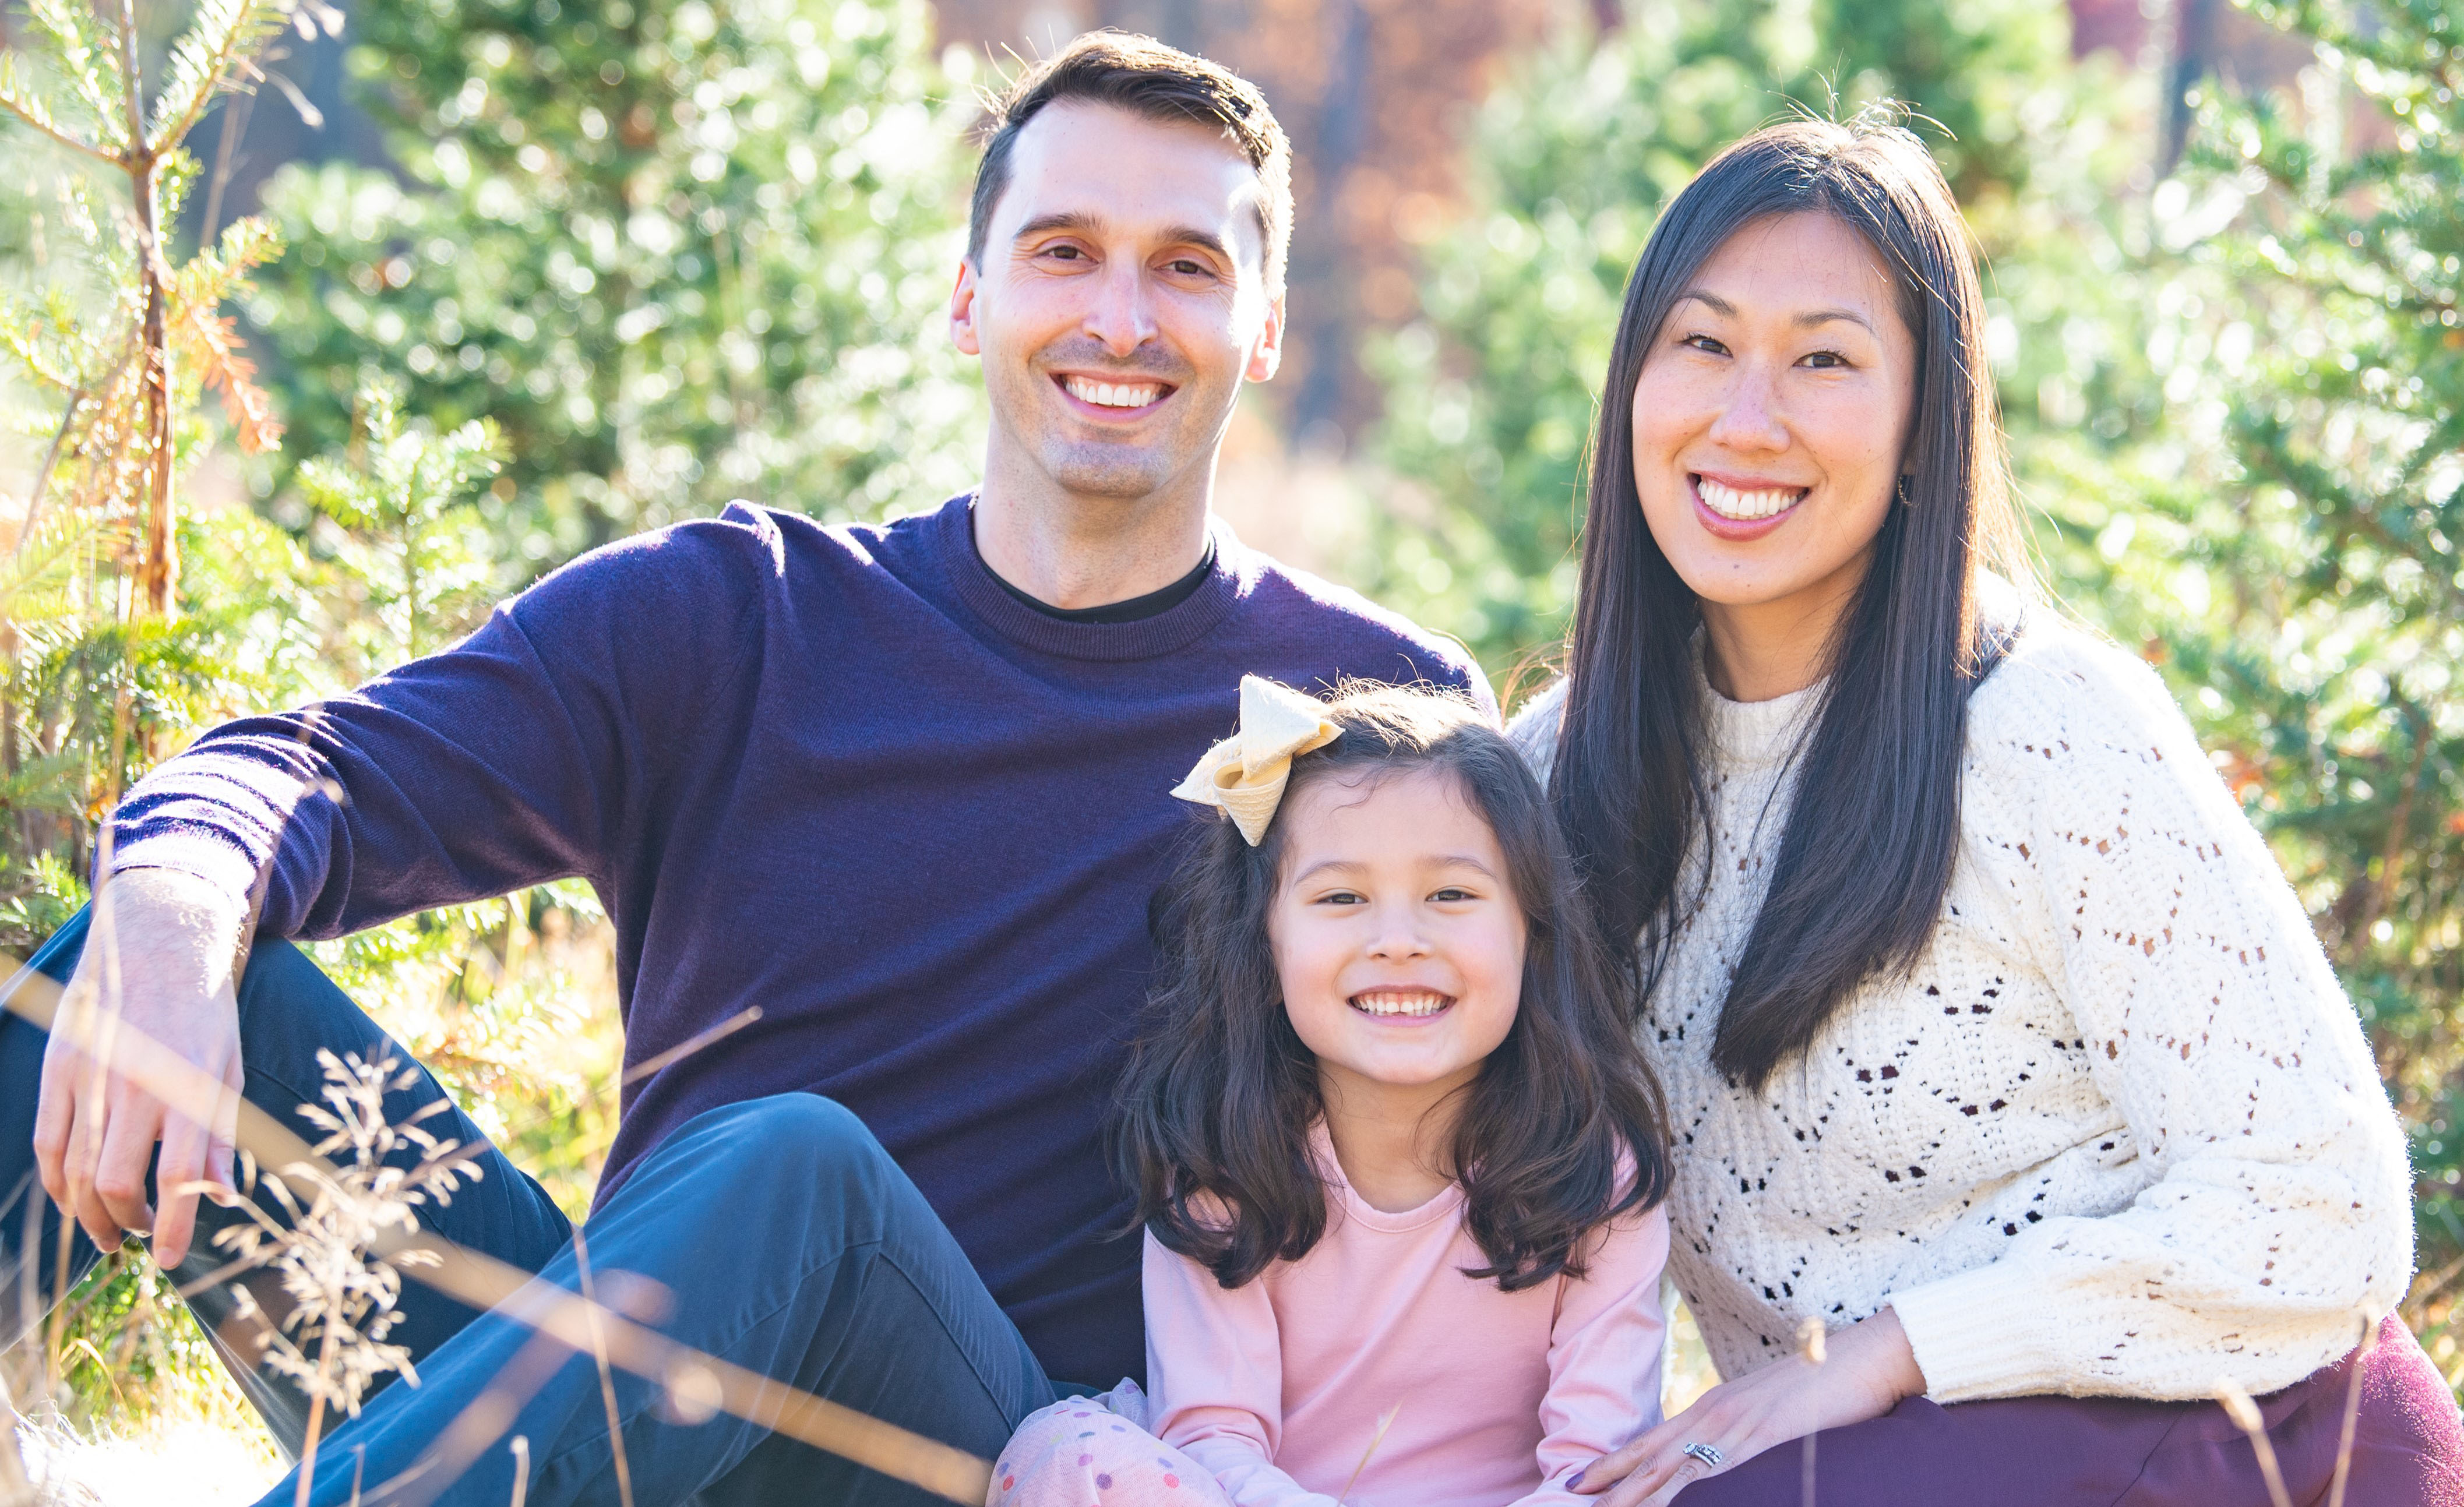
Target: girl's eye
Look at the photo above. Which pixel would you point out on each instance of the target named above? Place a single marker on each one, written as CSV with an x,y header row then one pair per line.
x,y
1340,897
1705,344
1824,359
1450,895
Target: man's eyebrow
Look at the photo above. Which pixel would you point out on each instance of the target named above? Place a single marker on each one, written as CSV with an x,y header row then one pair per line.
x,y
1204,240
1061,219
1095,225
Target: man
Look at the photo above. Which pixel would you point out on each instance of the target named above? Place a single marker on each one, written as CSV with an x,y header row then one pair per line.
x,y
903,788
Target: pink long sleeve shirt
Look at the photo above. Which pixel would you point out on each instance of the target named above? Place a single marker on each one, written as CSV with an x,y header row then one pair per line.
x,y
1277,1385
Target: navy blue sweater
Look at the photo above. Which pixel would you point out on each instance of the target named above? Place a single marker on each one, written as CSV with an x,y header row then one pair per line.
x,y
838,773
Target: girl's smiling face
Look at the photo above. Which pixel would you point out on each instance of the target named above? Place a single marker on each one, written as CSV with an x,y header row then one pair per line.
x,y
1396,937
1771,413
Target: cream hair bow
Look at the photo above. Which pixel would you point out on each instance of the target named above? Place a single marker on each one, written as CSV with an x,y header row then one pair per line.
x,y
1246,773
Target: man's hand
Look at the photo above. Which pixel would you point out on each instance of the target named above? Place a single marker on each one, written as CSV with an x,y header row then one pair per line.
x,y
158,962
1868,1368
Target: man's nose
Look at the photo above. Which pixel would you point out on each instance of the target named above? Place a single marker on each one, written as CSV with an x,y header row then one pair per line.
x,y
1750,414
1122,315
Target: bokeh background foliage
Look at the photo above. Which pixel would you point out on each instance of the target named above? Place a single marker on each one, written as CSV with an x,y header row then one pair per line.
x,y
612,262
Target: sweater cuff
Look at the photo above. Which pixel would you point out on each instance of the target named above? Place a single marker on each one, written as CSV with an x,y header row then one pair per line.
x,y
208,856
1981,1334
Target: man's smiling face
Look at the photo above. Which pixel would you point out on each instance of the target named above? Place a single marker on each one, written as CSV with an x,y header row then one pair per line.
x,y
1120,303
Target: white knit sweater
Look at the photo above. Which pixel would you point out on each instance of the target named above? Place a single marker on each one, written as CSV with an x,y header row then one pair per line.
x,y
2117,1133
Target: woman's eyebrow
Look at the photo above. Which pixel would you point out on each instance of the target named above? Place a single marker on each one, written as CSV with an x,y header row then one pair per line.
x,y
1803,322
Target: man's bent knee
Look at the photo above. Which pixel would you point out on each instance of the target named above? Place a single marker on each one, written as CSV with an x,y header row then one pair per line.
x,y
792,1138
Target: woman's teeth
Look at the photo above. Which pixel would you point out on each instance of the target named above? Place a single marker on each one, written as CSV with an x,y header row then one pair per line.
x,y
1112,395
1393,1002
1745,506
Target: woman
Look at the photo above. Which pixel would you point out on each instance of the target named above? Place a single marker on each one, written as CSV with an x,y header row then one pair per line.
x,y
1995,1043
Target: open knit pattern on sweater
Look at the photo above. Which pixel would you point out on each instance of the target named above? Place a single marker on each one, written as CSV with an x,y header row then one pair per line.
x,y
2115,1133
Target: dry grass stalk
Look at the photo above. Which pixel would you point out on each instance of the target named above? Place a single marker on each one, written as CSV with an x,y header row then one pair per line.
x,y
606,1376
483,1282
2352,1410
1812,1346
478,1425
15,1490
1374,1440
2246,1417
691,1044
342,1300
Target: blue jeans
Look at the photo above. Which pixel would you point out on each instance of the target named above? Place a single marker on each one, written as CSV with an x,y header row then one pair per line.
x,y
785,1239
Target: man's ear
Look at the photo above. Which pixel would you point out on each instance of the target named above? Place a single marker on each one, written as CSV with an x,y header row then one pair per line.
x,y
1268,353
962,312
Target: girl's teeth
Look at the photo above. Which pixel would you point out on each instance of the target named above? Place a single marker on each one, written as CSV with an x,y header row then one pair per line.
x,y
1387,1004
1745,506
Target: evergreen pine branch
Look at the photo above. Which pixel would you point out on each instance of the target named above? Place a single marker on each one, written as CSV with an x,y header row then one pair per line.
x,y
21,336
92,68
227,35
17,96
210,342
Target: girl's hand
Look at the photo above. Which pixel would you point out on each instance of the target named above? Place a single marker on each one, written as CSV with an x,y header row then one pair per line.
x,y
1869,1367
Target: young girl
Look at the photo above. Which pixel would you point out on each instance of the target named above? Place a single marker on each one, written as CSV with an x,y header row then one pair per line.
x,y
1396,1157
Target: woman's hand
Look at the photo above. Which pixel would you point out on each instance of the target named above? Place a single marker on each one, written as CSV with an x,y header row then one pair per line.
x,y
1867,1369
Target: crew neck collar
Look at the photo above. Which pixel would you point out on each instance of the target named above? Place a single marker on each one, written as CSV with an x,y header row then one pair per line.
x,y
1340,1191
990,600
1134,609
1753,732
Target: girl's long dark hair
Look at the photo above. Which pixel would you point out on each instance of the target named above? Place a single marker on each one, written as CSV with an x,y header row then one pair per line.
x,y
1221,1097
1866,853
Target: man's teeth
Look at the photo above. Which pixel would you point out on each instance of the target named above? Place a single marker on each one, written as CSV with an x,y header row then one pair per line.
x,y
1391,1003
1745,506
1114,395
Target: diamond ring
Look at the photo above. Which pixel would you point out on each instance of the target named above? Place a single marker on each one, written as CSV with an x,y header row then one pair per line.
x,y
1706,1454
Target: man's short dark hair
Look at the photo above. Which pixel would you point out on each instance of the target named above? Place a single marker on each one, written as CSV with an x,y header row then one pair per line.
x,y
1145,77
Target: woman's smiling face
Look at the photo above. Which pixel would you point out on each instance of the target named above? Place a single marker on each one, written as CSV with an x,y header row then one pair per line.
x,y
1770,416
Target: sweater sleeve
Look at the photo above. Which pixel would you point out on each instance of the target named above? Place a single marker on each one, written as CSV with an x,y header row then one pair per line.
x,y
510,759
1604,1357
1214,1369
2279,1204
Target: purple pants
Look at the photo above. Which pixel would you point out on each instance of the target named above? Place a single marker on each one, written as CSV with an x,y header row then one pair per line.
x,y
2065,1451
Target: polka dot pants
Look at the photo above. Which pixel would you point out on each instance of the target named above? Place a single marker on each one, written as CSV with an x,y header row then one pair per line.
x,y
1094,1452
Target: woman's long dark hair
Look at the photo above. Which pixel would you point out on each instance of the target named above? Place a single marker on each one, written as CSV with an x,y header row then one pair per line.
x,y
1867,850
1221,1097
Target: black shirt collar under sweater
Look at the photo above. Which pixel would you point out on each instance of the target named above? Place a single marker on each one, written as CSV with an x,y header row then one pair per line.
x,y
1219,585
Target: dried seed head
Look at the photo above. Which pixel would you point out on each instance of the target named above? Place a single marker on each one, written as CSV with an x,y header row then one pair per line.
x,y
323,1251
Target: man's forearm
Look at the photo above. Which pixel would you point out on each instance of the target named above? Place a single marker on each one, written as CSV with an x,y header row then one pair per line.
x,y
167,925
